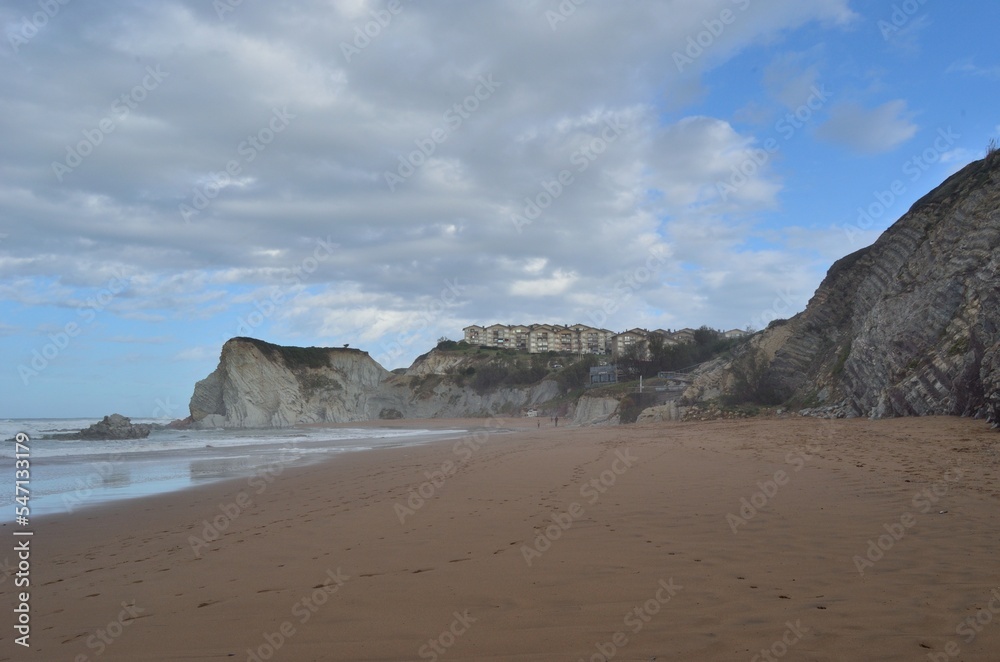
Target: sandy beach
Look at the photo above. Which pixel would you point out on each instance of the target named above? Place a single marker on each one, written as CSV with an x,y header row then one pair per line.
x,y
795,539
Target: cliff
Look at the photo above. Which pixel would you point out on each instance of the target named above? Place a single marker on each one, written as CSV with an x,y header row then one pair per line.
x,y
261,385
600,410
907,326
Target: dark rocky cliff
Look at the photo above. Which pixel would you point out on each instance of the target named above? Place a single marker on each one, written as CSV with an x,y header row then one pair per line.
x,y
909,325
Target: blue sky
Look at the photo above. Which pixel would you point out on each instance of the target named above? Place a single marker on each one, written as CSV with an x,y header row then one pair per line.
x,y
128,253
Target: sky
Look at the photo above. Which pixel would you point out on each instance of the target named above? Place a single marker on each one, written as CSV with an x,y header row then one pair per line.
x,y
383,173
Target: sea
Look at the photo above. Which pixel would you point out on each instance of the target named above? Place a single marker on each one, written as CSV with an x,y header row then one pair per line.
x,y
67,476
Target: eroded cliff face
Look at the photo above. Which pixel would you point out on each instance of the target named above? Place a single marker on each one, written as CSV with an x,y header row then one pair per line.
x,y
260,385
433,387
445,399
909,325
598,411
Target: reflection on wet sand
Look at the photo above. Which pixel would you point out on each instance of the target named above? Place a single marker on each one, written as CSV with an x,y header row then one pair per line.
x,y
220,467
119,476
233,467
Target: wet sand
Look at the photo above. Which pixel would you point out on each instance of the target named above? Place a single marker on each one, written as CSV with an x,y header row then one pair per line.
x,y
807,539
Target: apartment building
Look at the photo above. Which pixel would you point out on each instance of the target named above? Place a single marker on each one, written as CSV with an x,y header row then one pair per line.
x,y
575,339
538,338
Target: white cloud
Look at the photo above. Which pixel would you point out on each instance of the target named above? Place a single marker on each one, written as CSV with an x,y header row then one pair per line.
x,y
140,340
311,217
968,67
907,39
869,131
791,79
556,284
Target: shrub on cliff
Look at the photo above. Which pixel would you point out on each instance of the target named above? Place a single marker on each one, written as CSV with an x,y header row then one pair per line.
x,y
297,357
576,375
629,410
752,381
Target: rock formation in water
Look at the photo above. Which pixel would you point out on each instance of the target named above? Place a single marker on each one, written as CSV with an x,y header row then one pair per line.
x,y
113,427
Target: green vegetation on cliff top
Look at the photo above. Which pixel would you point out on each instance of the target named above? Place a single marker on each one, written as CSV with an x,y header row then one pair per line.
x,y
298,357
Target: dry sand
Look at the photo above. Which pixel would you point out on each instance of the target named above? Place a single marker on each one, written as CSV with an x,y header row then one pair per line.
x,y
646,565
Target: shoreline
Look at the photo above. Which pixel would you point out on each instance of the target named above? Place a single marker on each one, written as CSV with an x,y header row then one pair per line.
x,y
322,552
76,480
511,422
443,434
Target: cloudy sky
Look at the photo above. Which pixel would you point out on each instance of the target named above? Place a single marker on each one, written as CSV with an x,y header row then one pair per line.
x,y
385,172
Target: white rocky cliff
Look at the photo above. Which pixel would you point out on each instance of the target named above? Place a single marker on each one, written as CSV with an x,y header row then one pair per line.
x,y
260,385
